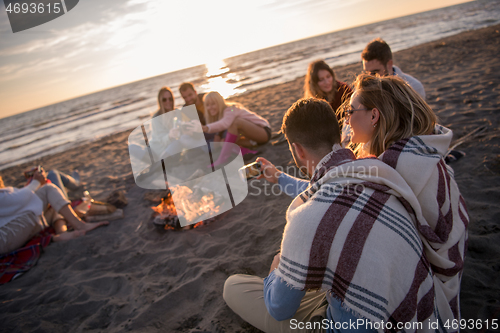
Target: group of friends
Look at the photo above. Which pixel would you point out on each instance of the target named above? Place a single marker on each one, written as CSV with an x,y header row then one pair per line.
x,y
378,233
375,240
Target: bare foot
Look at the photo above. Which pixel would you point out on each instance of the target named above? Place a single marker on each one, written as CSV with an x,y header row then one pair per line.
x,y
68,235
87,226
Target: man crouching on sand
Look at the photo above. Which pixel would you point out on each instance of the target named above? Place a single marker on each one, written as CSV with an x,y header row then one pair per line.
x,y
351,258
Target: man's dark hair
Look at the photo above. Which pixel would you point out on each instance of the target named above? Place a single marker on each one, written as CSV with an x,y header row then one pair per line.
x,y
185,86
377,49
312,123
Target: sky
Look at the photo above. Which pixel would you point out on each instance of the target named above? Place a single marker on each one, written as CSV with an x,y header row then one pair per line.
x,y
100,44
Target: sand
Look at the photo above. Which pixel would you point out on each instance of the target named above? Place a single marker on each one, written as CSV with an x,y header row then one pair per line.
x,y
130,276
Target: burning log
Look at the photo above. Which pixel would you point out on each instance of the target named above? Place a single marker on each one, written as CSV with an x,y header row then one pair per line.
x,y
197,205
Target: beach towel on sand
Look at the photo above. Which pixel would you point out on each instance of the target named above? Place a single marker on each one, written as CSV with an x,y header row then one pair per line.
x,y
21,260
353,232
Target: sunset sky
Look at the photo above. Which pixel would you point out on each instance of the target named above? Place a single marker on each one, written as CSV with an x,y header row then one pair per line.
x,y
100,44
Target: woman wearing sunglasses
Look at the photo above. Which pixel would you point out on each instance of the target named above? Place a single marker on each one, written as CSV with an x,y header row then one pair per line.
x,y
174,133
392,122
163,133
165,101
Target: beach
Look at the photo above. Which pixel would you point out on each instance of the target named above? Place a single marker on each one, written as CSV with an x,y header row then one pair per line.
x,y
131,276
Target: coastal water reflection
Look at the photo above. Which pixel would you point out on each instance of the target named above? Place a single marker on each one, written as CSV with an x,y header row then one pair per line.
x,y
221,80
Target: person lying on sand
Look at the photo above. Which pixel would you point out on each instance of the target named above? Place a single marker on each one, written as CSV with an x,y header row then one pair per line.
x,y
350,249
62,180
25,212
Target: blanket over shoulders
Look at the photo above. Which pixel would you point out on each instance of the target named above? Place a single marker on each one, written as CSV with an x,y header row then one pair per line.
x,y
353,233
443,219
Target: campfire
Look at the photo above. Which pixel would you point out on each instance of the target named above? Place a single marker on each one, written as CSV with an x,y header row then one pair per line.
x,y
198,205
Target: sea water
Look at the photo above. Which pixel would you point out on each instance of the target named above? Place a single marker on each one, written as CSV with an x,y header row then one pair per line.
x,y
65,125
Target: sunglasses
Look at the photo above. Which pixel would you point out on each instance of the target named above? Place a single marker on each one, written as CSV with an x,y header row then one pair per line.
x,y
165,99
349,111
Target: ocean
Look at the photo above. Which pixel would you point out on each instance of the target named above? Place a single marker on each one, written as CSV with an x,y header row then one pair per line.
x,y
65,125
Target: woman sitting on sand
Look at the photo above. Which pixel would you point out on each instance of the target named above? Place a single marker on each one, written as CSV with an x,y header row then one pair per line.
x,y
391,121
160,130
25,212
320,83
168,137
163,133
166,101
221,115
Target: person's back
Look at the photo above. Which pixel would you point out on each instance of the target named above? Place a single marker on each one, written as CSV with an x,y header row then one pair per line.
x,y
415,149
348,234
443,226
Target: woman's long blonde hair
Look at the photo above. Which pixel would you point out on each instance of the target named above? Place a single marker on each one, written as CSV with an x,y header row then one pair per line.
x,y
222,104
311,88
161,108
403,112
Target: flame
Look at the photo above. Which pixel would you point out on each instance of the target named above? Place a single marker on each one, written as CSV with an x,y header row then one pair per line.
x,y
166,208
191,208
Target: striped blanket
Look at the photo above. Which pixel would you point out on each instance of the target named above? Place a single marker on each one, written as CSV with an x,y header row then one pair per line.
x,y
443,219
353,232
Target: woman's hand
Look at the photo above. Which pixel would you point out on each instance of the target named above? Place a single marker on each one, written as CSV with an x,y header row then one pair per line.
x,y
204,128
269,171
174,134
41,177
276,262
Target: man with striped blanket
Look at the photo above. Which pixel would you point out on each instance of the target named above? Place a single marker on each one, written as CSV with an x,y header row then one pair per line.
x,y
351,257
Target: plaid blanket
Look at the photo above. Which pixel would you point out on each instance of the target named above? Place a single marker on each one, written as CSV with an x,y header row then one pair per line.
x,y
353,232
21,260
443,219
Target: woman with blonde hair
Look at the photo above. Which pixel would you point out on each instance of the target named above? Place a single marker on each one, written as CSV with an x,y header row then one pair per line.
x,y
162,132
166,101
221,115
391,121
320,83
171,134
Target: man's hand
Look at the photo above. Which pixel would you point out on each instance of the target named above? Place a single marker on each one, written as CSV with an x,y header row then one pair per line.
x,y
193,124
174,134
41,177
275,263
269,171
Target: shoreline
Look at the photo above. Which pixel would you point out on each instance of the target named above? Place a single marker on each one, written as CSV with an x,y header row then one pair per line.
x,y
74,145
131,276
